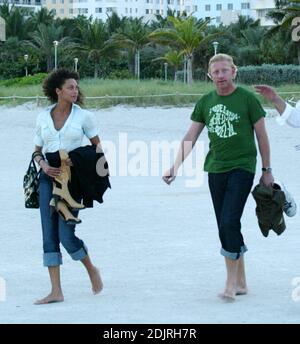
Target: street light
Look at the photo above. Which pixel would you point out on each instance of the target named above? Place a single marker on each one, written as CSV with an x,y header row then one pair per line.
x,y
76,62
55,53
166,71
26,59
215,44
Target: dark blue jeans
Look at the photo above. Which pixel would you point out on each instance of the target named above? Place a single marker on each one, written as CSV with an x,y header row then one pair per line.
x,y
229,192
55,230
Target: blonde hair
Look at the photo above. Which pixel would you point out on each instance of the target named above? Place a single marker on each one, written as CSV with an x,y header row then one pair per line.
x,y
222,57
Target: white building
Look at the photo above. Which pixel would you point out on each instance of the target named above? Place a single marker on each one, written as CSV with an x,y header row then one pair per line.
x,y
223,11
129,8
228,11
30,5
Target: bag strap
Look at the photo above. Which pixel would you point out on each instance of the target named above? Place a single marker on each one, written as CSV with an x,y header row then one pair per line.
x,y
32,163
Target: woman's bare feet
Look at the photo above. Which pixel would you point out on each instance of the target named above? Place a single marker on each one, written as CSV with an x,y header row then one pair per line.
x,y
96,281
51,298
241,291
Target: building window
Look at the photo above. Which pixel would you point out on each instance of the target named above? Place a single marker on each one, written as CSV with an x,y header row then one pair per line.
x,y
170,2
178,2
147,11
136,10
245,5
195,8
99,9
130,11
207,18
53,1
71,10
83,11
62,1
110,9
207,8
230,6
219,7
218,20
62,11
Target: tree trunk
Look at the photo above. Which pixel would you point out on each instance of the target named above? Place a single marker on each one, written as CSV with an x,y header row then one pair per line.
x,y
175,74
96,70
50,64
189,70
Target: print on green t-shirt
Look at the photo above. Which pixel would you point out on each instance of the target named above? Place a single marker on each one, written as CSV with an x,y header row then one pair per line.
x,y
229,121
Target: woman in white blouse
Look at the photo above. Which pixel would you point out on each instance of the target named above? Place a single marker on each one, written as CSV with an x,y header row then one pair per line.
x,y
61,126
288,114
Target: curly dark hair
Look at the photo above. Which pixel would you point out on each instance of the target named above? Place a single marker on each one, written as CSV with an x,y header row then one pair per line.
x,y
56,79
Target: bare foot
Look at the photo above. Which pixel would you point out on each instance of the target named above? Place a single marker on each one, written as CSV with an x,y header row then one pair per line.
x,y
227,296
95,278
241,291
51,298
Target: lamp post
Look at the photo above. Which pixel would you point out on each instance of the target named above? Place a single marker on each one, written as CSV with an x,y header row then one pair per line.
x,y
55,53
166,71
76,62
215,44
26,59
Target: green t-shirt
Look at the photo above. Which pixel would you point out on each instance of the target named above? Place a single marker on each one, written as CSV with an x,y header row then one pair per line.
x,y
229,121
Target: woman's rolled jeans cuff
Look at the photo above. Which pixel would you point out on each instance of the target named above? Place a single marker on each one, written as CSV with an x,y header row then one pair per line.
x,y
80,254
55,258
52,259
234,255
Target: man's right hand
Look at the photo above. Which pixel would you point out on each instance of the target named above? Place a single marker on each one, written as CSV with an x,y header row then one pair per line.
x,y
50,171
169,176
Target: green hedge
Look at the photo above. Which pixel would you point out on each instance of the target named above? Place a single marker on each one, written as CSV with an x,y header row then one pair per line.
x,y
36,79
269,74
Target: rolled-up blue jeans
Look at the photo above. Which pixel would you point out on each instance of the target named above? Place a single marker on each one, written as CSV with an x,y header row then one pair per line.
x,y
55,230
229,192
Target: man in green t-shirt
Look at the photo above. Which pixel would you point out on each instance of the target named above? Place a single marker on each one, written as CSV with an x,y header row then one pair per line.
x,y
231,115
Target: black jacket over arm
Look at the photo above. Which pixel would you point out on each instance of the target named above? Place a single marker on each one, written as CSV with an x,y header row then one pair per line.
x,y
85,183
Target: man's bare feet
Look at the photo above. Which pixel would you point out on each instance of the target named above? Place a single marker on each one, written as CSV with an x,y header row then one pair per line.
x,y
227,296
96,281
51,298
241,291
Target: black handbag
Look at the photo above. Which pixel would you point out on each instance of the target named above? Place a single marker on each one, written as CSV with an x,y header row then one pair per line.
x,y
31,186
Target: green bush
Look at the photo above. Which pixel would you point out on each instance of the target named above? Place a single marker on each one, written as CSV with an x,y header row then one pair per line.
x,y
36,79
269,74
120,74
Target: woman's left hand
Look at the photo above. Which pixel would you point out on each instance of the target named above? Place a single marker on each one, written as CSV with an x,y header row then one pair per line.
x,y
69,162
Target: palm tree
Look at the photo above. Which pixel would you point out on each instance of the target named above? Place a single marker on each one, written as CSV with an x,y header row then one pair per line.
x,y
94,41
186,35
42,42
15,21
174,59
284,15
134,36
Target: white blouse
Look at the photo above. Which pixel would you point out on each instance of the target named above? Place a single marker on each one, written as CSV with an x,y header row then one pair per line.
x,y
79,123
290,116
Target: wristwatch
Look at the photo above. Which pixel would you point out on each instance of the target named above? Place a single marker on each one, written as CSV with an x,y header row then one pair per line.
x,y
267,169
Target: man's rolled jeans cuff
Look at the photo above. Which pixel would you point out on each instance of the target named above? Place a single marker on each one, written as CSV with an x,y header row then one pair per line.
x,y
52,259
233,255
80,254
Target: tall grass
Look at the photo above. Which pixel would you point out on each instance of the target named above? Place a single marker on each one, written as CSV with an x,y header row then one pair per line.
x,y
140,90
